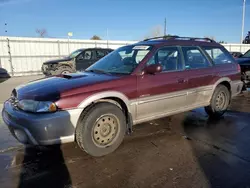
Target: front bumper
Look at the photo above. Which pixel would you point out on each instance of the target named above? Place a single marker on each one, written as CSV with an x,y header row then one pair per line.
x,y
236,87
44,128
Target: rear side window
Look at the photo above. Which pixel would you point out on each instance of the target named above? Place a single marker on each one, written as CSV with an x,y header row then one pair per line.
x,y
107,52
99,54
218,55
194,59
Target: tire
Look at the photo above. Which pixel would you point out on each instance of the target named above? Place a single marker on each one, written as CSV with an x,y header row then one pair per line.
x,y
219,102
63,70
101,129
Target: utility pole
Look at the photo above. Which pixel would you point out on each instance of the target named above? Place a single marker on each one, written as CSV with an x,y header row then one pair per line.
x,y
5,27
243,21
165,27
70,34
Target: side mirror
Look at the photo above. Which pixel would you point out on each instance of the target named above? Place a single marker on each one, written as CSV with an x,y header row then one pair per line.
x,y
152,69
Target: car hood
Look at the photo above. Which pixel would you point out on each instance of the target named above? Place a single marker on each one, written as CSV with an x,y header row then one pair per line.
x,y
243,60
51,88
57,60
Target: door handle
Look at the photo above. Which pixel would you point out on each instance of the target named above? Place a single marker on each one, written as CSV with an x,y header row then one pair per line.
x,y
181,80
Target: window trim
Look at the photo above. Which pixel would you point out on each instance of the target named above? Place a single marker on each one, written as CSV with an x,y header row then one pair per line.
x,y
204,54
180,56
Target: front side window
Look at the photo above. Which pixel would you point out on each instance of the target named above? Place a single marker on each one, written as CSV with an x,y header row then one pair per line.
x,y
123,60
87,55
168,57
218,55
194,59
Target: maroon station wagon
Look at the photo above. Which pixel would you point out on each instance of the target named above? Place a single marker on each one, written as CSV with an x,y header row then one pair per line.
x,y
151,79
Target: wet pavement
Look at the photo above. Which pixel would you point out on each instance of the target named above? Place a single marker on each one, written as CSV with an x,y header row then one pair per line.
x,y
185,150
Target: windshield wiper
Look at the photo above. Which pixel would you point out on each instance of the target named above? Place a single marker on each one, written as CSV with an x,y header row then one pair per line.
x,y
98,71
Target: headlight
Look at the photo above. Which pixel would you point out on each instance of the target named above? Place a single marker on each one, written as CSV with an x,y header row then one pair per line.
x,y
37,106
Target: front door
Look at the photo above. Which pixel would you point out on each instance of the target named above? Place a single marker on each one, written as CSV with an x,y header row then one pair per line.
x,y
163,92
85,59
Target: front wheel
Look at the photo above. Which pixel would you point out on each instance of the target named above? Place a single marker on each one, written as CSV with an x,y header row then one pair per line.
x,y
219,102
63,70
101,129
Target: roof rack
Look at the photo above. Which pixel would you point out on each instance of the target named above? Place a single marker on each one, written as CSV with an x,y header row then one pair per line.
x,y
166,37
174,37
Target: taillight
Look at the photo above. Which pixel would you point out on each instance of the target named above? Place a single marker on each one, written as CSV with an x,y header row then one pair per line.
x,y
238,68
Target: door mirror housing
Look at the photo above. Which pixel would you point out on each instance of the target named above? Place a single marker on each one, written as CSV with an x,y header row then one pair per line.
x,y
153,69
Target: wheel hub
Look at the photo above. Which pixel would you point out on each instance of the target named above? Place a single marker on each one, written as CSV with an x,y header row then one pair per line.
x,y
221,101
105,130
65,72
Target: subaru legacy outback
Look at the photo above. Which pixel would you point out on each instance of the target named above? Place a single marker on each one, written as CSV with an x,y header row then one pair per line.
x,y
136,83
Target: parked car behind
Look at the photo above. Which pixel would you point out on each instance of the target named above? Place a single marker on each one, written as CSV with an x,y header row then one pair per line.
x,y
244,62
78,60
236,54
133,84
4,75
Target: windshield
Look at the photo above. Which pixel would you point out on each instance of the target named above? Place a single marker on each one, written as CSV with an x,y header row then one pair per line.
x,y
121,61
74,54
247,54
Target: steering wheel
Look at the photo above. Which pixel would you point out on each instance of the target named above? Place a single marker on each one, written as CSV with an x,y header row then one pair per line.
x,y
129,61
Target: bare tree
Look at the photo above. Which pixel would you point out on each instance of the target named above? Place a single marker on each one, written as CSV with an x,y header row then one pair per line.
x,y
95,37
222,42
42,32
155,31
210,37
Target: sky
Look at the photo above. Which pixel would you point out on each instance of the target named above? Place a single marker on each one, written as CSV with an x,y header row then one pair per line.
x,y
124,19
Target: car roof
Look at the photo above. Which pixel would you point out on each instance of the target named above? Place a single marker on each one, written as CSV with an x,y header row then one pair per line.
x,y
95,48
179,41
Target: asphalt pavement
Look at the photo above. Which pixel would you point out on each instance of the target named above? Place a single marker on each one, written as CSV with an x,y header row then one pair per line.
x,y
185,150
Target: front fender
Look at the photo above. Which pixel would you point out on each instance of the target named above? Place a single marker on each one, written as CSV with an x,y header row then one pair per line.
x,y
107,94
70,64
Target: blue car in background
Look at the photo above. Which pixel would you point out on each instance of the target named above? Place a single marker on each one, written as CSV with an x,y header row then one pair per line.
x,y
244,62
3,75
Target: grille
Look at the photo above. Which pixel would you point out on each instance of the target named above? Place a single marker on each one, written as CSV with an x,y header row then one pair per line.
x,y
14,101
45,67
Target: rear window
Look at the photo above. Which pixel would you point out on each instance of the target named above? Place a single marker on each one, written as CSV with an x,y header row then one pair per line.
x,y
219,55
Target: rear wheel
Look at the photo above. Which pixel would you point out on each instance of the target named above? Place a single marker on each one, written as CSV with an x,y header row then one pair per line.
x,y
101,129
219,102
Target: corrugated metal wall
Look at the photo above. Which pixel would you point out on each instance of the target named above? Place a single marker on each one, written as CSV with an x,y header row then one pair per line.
x,y
24,56
237,47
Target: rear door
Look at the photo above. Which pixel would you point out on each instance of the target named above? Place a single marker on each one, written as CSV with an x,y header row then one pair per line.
x,y
200,73
85,59
224,63
163,92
